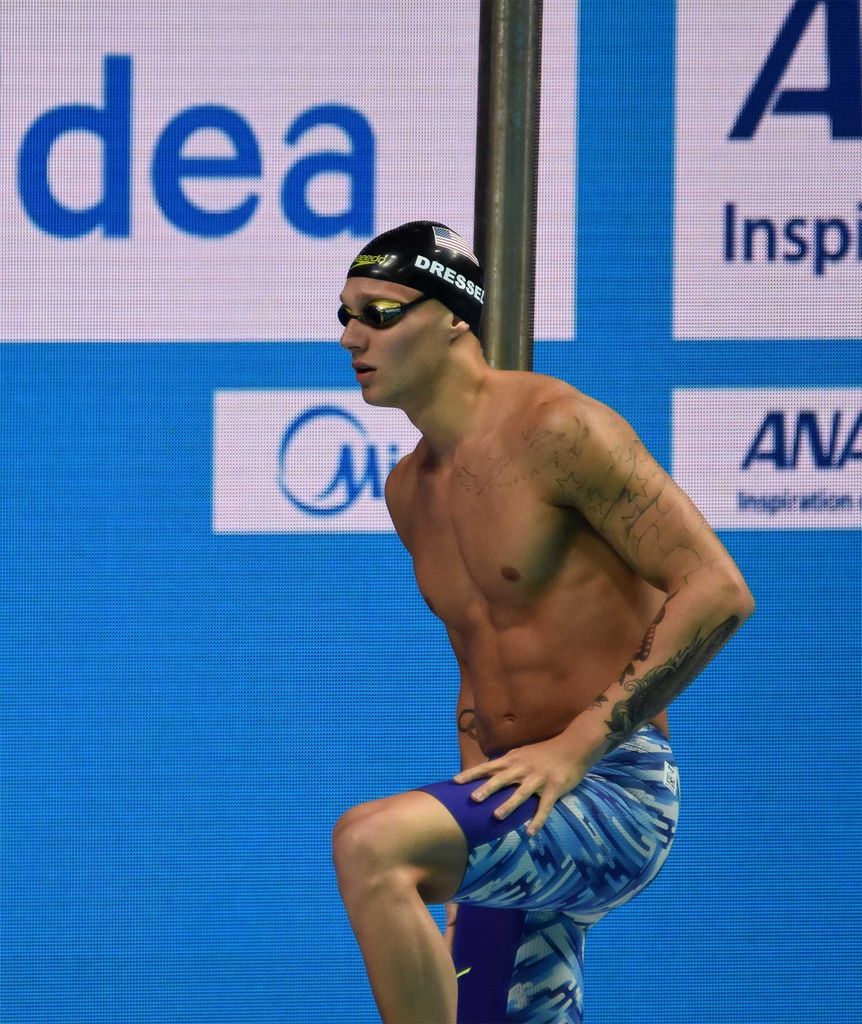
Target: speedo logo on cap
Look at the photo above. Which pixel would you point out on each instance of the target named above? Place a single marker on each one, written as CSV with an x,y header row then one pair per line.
x,y
365,260
450,276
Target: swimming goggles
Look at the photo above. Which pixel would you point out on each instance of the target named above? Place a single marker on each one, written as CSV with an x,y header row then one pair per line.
x,y
380,312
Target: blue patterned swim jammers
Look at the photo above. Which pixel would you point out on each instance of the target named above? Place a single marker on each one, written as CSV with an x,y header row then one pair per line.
x,y
530,899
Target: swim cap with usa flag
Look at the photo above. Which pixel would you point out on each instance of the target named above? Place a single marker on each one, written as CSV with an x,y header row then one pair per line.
x,y
433,259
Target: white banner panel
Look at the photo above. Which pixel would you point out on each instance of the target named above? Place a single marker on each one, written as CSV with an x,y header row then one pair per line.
x,y
208,171
771,458
303,461
768,225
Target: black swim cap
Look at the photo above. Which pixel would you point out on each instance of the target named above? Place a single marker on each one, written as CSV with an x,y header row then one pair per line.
x,y
431,258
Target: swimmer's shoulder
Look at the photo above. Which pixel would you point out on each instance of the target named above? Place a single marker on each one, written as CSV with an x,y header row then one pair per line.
x,y
545,407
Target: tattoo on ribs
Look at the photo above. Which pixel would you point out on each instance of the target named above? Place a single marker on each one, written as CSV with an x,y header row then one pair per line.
x,y
663,683
643,652
467,723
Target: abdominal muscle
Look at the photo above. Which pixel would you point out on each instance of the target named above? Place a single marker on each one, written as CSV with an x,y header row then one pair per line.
x,y
542,613
528,680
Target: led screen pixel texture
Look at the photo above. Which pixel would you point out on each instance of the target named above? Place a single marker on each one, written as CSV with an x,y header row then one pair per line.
x,y
186,713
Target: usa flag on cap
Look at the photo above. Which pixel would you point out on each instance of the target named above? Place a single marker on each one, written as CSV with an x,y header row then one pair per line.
x,y
450,240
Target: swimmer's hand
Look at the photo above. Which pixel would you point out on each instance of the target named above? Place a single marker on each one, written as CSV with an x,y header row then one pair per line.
x,y
545,769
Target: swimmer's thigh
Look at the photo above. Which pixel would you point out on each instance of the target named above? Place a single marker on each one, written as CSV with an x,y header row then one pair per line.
x,y
410,832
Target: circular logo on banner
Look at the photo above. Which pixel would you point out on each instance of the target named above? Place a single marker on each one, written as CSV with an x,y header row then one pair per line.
x,y
325,461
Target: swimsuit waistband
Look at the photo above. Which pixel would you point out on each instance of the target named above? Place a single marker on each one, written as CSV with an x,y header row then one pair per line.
x,y
649,727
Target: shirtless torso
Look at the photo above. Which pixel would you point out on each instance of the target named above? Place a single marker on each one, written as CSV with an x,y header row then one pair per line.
x,y
582,591
541,611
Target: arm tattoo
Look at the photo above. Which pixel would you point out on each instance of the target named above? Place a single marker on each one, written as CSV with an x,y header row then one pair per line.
x,y
663,683
630,500
467,723
643,652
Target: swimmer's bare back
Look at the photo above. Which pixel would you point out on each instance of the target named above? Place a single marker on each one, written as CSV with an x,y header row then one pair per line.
x,y
528,549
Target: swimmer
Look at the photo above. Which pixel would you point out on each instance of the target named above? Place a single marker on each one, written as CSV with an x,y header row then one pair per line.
x,y
581,591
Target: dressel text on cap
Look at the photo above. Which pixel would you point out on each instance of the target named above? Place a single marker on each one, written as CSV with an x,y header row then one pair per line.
x,y
451,276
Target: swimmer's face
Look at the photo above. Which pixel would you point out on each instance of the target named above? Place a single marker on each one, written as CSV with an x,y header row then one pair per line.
x,y
396,364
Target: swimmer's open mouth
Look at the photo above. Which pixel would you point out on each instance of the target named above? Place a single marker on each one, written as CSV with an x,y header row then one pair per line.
x,y
362,368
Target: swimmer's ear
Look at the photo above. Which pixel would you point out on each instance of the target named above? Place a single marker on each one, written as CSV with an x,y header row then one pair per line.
x,y
459,327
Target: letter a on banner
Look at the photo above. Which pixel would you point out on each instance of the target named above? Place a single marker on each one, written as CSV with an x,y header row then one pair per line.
x,y
840,100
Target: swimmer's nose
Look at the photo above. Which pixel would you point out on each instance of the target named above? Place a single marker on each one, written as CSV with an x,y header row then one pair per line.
x,y
352,338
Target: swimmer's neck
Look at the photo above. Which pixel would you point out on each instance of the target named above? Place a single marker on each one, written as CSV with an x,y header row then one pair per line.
x,y
456,405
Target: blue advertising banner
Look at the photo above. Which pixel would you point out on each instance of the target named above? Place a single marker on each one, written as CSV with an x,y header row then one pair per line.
x,y
213,642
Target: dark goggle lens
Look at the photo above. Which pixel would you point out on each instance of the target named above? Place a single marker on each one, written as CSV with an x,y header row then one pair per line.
x,y
375,314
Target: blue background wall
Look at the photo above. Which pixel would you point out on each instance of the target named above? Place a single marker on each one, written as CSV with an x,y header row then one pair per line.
x,y
185,715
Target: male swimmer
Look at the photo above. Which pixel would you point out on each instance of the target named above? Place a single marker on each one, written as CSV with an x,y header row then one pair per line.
x,y
582,592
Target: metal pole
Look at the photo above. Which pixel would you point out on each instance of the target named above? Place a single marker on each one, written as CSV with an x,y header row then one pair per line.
x,y
507,161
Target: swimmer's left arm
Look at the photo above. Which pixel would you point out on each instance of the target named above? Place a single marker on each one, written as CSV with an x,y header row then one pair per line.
x,y
605,472
595,463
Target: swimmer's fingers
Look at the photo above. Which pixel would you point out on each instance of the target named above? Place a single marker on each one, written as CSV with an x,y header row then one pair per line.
x,y
529,787
547,790
505,777
478,771
549,797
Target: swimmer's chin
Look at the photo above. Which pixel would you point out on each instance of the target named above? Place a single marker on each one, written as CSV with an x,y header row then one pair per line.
x,y
380,403
375,394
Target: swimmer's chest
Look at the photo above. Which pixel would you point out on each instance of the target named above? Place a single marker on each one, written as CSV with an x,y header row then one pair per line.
x,y
483,532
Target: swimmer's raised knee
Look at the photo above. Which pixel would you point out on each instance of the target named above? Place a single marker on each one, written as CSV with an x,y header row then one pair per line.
x,y
410,835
